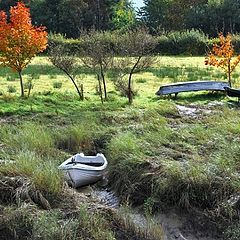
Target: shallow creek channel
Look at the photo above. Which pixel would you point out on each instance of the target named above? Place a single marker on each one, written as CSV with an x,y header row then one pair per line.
x,y
175,225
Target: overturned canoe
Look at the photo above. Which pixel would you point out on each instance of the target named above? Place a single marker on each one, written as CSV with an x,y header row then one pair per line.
x,y
80,170
176,88
231,92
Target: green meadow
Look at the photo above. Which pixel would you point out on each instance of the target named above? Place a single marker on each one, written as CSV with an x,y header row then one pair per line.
x,y
163,152
166,70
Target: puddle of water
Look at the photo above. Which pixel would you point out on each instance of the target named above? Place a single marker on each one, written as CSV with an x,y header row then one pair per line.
x,y
192,111
186,110
107,198
174,226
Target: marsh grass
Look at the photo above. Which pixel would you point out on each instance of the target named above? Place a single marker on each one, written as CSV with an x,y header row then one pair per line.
x,y
28,137
16,223
154,152
50,225
124,148
94,225
27,222
43,173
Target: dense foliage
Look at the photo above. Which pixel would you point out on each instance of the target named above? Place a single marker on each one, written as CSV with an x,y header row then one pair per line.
x,y
71,17
210,16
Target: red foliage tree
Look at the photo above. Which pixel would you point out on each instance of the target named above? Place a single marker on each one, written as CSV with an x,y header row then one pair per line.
x,y
222,55
20,41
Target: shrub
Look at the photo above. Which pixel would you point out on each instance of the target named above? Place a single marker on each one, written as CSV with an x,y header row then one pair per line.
x,y
121,85
236,42
72,45
11,89
57,84
187,42
10,78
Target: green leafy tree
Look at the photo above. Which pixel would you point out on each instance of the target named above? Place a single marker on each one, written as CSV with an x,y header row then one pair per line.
x,y
71,17
215,16
154,14
124,16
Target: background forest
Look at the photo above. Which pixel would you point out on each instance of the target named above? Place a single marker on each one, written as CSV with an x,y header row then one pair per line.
x,y
71,17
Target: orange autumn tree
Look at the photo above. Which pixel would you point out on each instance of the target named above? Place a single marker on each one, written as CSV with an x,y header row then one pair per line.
x,y
20,41
222,55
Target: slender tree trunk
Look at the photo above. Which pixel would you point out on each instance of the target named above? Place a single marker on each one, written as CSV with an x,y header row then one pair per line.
x,y
104,82
82,93
229,73
21,83
100,87
29,90
130,92
74,83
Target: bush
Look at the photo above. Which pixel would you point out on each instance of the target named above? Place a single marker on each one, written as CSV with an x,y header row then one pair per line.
x,y
187,42
57,84
72,45
11,89
11,78
236,42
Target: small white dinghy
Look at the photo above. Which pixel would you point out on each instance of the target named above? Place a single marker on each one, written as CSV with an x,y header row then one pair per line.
x,y
80,170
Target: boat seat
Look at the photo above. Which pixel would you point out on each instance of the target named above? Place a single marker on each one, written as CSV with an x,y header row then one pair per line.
x,y
94,164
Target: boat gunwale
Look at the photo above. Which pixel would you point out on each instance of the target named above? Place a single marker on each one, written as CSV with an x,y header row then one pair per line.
x,y
69,164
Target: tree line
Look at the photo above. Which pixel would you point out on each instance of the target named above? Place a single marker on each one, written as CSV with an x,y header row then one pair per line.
x,y
72,17
209,16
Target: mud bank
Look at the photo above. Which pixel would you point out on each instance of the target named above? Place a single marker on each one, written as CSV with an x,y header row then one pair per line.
x,y
173,223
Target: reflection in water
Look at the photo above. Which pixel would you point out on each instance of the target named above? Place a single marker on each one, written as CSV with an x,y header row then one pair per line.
x,y
107,197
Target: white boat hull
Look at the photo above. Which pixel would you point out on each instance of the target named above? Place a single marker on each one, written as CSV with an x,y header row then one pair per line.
x,y
81,170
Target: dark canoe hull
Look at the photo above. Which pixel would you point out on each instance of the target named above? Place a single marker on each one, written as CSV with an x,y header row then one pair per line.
x,y
232,92
192,86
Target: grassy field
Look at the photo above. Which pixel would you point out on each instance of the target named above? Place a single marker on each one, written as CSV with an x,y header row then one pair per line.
x,y
161,154
165,70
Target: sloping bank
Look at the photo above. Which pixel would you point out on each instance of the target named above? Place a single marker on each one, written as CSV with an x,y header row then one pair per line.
x,y
187,164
